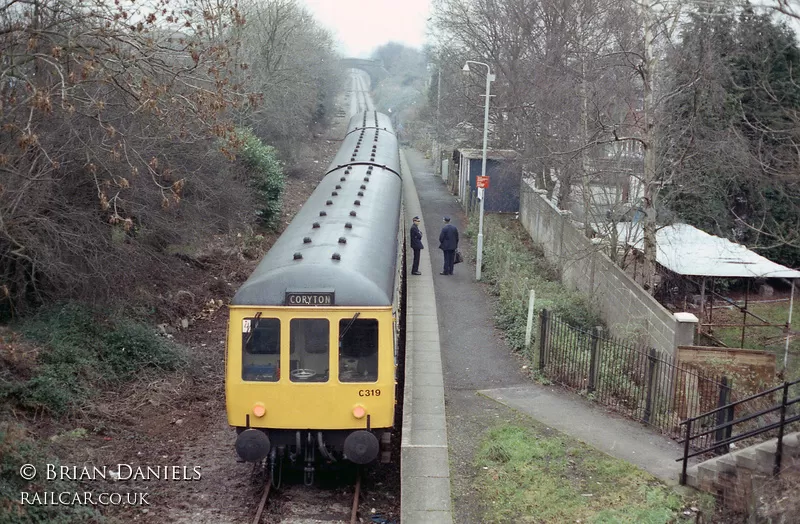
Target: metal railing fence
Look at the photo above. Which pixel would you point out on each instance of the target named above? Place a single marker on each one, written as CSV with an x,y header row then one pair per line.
x,y
752,420
640,383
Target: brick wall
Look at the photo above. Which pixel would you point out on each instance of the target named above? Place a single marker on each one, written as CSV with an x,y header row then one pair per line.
x,y
624,305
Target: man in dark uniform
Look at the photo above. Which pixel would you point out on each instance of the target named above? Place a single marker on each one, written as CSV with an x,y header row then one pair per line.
x,y
416,245
448,242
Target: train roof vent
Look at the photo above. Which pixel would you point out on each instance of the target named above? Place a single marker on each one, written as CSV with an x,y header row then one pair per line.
x,y
315,225
366,179
329,202
342,179
352,213
342,240
298,256
357,203
348,225
336,256
306,240
338,186
363,186
360,193
334,193
323,214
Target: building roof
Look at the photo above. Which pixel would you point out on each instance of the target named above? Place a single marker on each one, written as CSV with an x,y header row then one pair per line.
x,y
491,154
686,250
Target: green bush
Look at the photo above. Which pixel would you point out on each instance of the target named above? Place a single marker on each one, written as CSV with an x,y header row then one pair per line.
x,y
266,173
131,346
81,351
512,266
17,449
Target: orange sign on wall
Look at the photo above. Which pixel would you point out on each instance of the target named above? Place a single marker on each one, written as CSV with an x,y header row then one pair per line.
x,y
482,182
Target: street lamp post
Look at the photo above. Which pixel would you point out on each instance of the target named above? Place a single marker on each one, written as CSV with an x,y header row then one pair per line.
x,y
489,79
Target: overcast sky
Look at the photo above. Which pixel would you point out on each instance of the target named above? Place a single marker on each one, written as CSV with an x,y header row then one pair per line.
x,y
363,25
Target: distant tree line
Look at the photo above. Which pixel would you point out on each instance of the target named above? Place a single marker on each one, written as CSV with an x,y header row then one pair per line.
x,y
688,107
401,93
733,130
121,127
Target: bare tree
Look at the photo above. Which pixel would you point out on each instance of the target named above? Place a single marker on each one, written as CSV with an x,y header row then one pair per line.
x,y
582,93
292,65
98,102
564,92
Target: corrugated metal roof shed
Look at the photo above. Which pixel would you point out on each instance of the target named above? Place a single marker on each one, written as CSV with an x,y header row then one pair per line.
x,y
686,250
491,154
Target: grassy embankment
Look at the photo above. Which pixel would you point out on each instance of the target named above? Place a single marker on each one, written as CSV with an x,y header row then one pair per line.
x,y
53,365
531,474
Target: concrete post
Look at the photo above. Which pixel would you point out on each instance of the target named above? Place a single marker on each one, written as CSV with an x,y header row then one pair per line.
x,y
565,217
529,326
685,329
685,332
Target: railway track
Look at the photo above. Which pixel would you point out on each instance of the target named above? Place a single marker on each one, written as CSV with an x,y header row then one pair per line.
x,y
263,503
326,503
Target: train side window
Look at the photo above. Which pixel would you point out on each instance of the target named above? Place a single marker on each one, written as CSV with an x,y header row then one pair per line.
x,y
358,350
261,347
309,341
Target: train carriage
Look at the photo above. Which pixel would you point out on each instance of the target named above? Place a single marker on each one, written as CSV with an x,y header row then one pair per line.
x,y
313,333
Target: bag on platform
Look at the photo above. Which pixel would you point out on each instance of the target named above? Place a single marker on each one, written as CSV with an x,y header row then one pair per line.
x,y
458,258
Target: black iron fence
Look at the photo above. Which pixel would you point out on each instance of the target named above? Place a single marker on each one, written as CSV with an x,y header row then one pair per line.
x,y
640,383
751,419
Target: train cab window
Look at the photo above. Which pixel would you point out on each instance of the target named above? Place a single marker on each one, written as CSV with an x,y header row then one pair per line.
x,y
358,350
309,341
261,348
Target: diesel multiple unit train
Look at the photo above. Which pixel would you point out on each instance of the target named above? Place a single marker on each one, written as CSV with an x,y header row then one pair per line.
x,y
311,351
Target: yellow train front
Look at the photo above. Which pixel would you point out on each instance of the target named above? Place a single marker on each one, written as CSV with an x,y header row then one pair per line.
x,y
313,333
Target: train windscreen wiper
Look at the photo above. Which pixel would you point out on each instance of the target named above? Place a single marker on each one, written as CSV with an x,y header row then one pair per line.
x,y
252,331
347,327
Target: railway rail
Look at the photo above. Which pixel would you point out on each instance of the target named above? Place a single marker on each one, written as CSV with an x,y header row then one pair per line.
x,y
260,517
261,348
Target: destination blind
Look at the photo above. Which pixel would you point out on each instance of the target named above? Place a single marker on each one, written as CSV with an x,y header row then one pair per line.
x,y
310,298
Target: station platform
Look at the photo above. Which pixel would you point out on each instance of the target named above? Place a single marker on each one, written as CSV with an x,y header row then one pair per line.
x,y
459,370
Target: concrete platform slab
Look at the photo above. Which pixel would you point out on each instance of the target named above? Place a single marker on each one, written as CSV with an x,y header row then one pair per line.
x,y
427,461
427,517
424,421
428,437
431,493
427,377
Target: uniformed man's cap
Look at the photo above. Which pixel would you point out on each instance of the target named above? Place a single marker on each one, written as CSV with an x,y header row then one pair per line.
x,y
447,219
416,219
